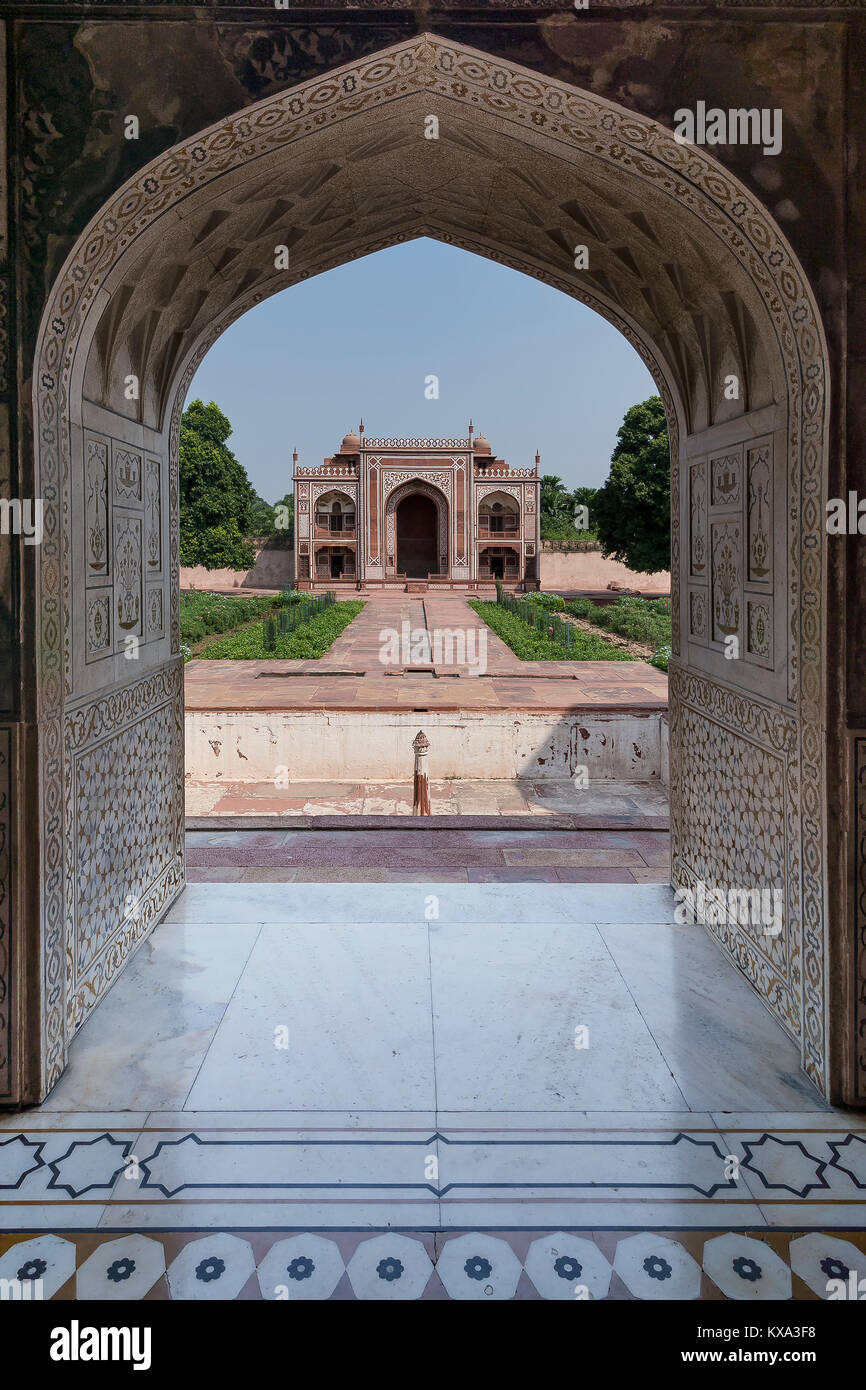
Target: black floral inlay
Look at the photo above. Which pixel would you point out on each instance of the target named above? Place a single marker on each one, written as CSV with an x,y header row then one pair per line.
x,y
120,1270
210,1269
746,1268
833,1268
478,1268
389,1269
301,1268
33,1269
567,1267
657,1268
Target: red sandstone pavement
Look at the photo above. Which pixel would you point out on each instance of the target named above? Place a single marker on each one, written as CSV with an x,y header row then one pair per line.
x,y
474,856
352,674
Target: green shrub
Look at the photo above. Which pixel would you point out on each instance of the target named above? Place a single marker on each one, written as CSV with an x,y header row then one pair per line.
x,y
309,639
640,619
531,641
202,614
554,603
661,658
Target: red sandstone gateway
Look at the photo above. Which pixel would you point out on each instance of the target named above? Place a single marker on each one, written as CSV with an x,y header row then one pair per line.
x,y
408,513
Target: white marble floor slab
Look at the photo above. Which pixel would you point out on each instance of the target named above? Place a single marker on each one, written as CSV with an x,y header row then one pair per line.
x,y
142,1047
720,1041
355,1004
492,903
507,1002
429,1077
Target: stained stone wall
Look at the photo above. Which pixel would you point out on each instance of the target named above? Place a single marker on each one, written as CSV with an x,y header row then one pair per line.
x,y
770,783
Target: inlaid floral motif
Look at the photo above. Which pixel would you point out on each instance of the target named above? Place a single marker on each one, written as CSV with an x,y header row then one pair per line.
x,y
698,517
726,480
726,579
127,565
127,476
96,507
153,517
759,521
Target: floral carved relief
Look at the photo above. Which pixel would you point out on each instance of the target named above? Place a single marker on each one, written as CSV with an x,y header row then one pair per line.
x,y
96,507
760,516
127,570
698,518
153,516
726,578
725,487
127,476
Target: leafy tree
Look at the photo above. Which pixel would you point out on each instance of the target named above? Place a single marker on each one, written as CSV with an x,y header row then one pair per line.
x,y
632,512
216,496
585,497
261,522
286,516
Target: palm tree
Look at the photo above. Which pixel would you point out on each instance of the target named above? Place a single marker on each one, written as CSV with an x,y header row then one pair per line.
x,y
556,500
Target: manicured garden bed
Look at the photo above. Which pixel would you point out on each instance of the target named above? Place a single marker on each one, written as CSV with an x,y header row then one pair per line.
x,y
531,645
309,639
645,620
202,614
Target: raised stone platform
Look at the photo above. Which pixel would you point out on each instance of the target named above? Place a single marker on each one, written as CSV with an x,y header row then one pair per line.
x,y
352,714
353,676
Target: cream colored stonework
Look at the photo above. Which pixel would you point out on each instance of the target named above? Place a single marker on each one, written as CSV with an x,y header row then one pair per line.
x,y
683,260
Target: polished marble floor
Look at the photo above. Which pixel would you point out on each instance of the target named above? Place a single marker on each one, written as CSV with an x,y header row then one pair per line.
x,y
433,1059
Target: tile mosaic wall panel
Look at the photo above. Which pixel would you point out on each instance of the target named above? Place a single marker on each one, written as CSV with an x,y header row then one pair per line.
x,y
124,847
734,829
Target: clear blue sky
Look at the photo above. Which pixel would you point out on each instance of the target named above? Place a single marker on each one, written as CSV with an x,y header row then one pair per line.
x,y
533,368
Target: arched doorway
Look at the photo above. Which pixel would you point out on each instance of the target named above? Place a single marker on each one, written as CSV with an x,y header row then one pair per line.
x,y
710,288
417,536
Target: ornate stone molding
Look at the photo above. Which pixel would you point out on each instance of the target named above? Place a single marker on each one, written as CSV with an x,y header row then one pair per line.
x,y
407,484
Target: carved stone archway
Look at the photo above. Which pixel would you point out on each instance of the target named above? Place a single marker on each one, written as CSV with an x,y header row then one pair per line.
x,y
683,260
392,502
